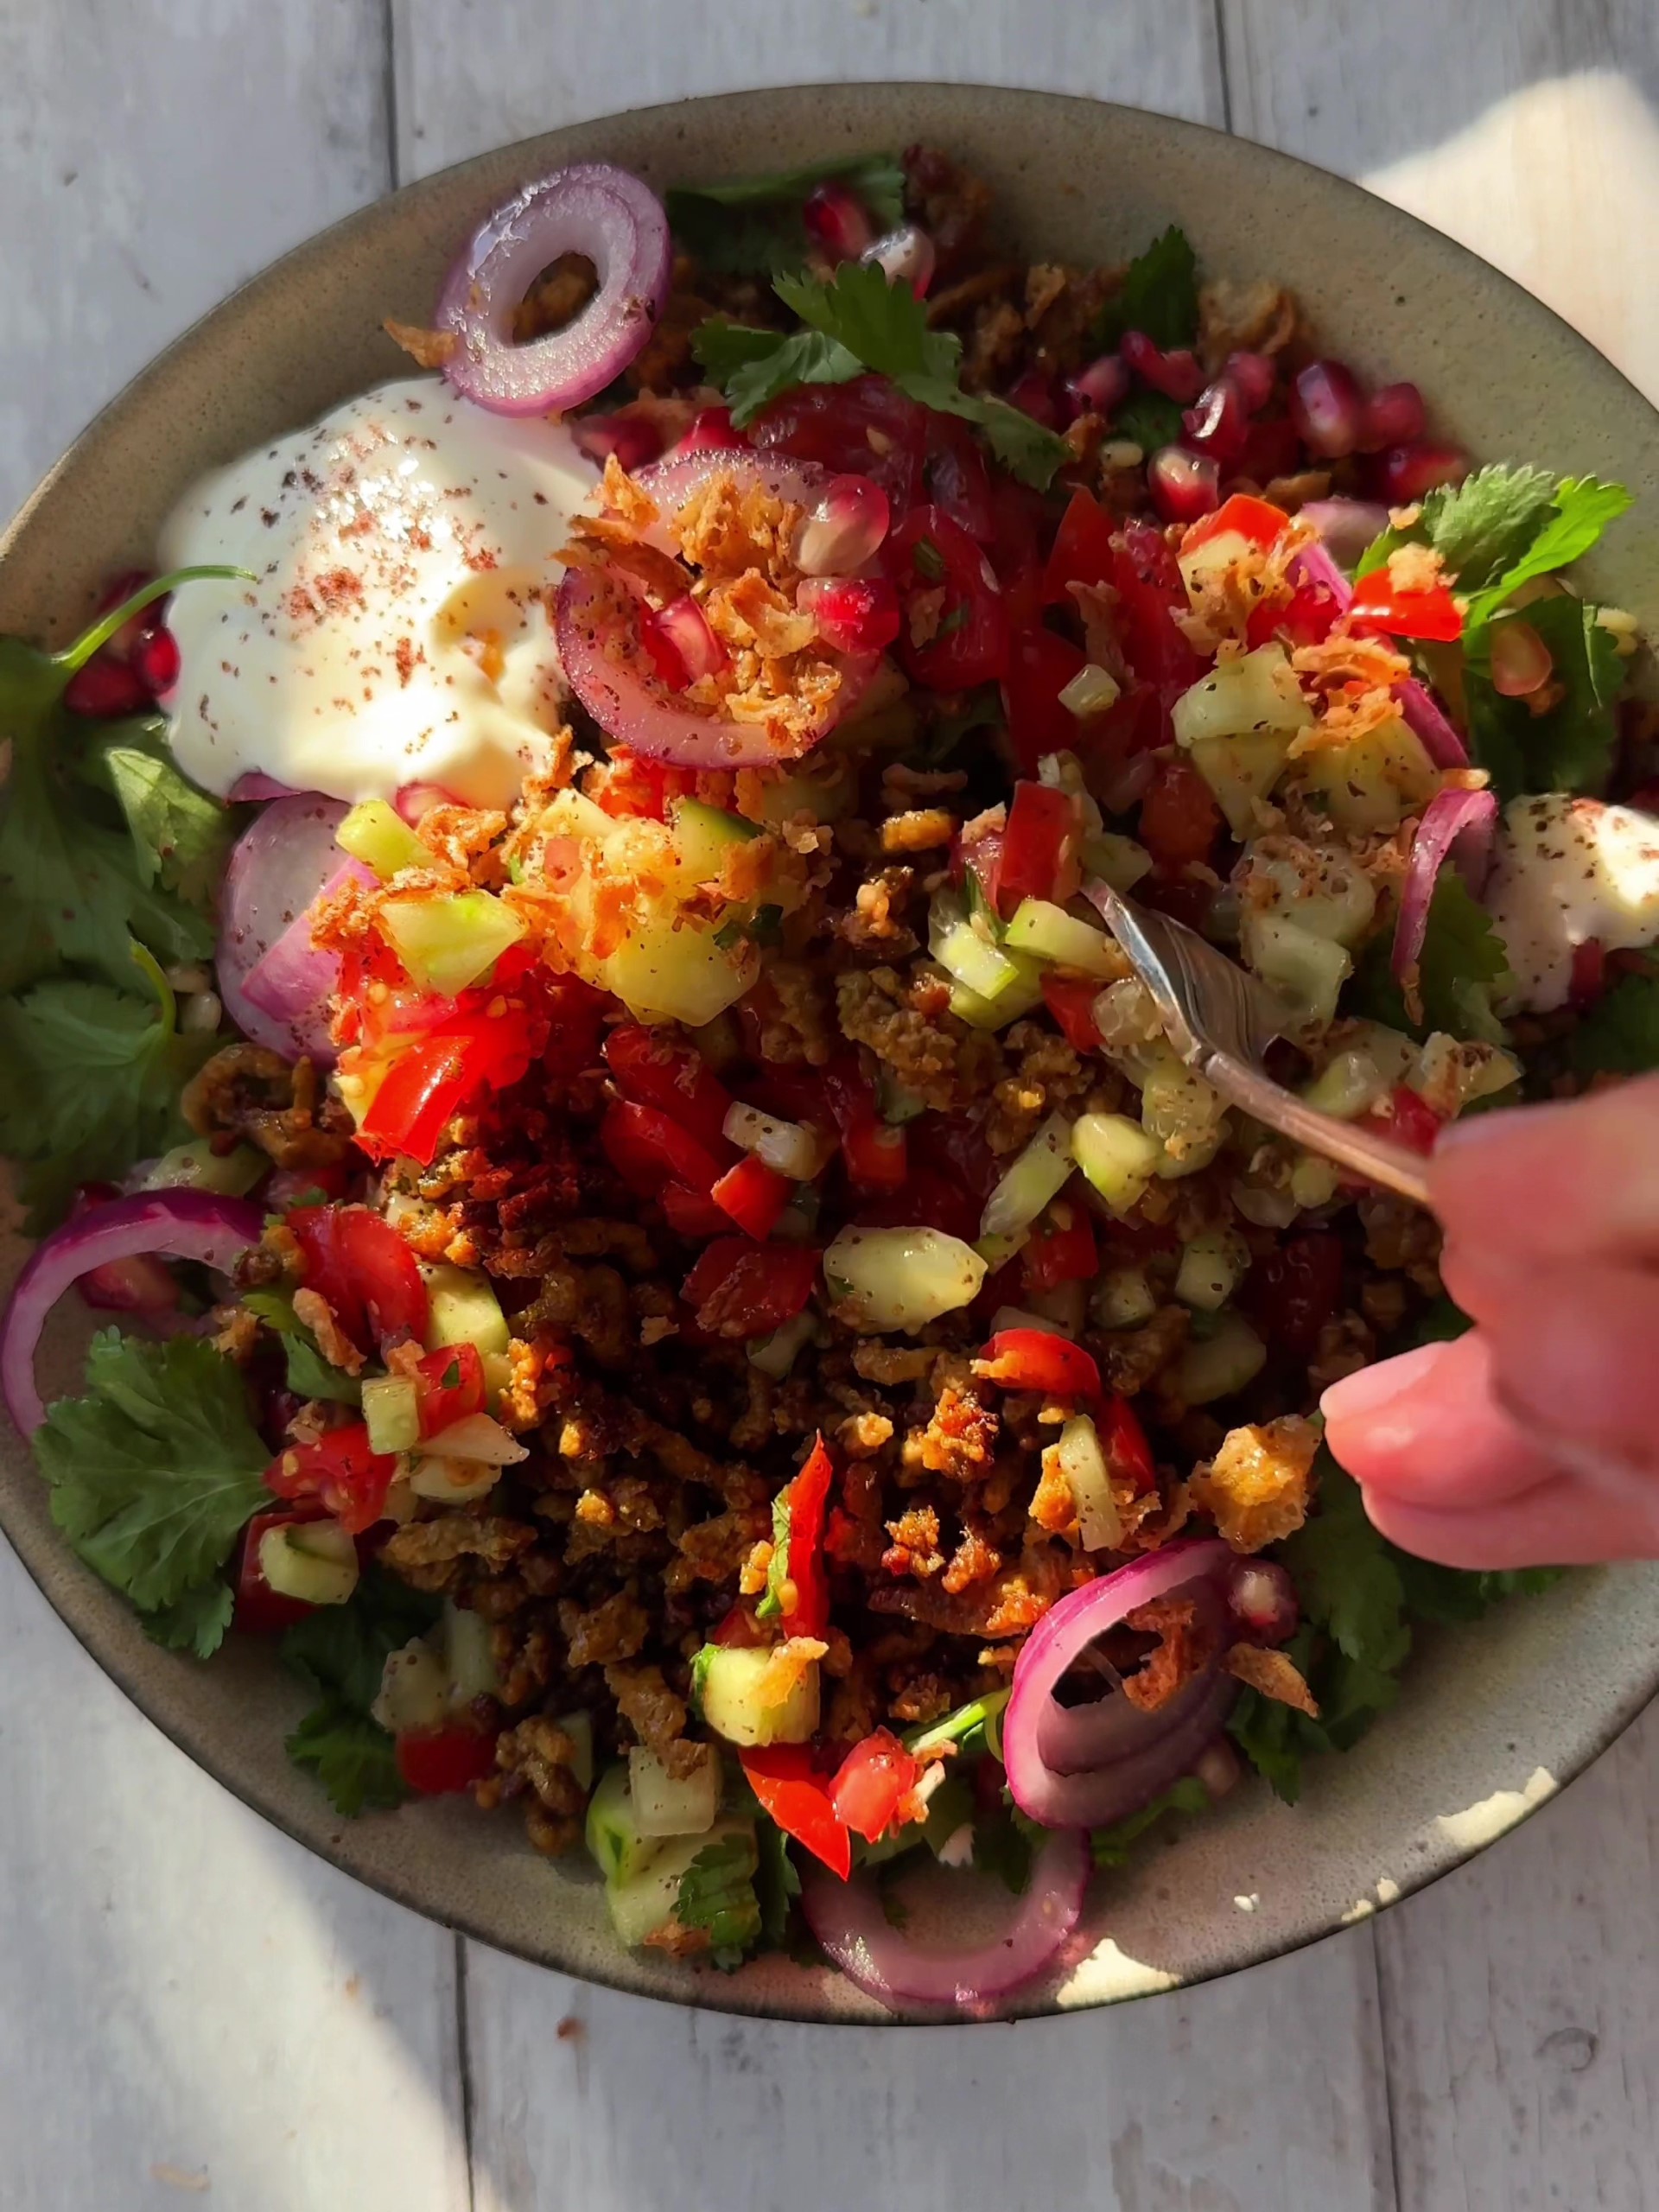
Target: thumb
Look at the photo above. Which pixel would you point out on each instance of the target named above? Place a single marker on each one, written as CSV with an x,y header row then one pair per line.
x,y
1427,1428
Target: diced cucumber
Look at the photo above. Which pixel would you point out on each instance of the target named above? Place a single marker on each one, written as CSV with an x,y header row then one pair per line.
x,y
1256,692
1049,933
1221,1362
447,943
1185,1114
1306,971
669,1804
392,1407
1082,1463
1348,1085
703,835
617,1844
1213,556
824,787
642,1906
996,1014
735,1691
197,1166
312,1560
414,1693
1118,1157
671,969
1240,770
966,953
579,1727
1320,889
1092,690
1122,1298
377,834
776,1354
1314,1181
894,1100
465,1639
1039,1174
886,1279
1117,860
1373,782
569,814
462,1308
997,1251
1212,1265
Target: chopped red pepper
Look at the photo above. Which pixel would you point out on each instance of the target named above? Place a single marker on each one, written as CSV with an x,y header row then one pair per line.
x,y
438,1074
367,1273
1432,613
1035,1359
1040,847
648,1149
450,1382
259,1609
871,1783
982,858
738,1630
876,1154
798,1519
1243,516
1061,1249
738,1289
339,1469
1129,1455
436,1762
1071,999
688,1213
653,1068
1083,550
753,1195
796,1796
1040,665
1150,594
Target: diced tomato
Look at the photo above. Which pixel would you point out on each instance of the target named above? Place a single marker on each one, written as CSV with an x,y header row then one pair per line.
x,y
436,1762
451,1385
688,1213
655,1069
1306,618
364,1270
1256,520
876,1154
739,1630
956,478
1180,819
807,1504
574,1010
1020,525
865,428
1040,665
738,1289
1061,1249
956,631
871,1783
1035,1359
1408,1118
627,783
341,1470
1071,999
983,857
259,1609
1432,613
796,1797
1294,1290
1129,1455
1588,978
649,1149
1150,593
1040,847
1083,550
930,1198
436,1075
753,1195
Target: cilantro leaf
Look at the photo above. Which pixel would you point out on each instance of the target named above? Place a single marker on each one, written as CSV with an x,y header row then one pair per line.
x,y
1113,1846
1462,958
1449,1595
1003,1847
197,1623
1442,1322
751,224
1148,420
1158,295
776,1881
342,1650
89,1080
309,1375
1479,527
1620,1033
180,838
1349,1584
352,1757
1582,508
155,1472
717,1891
754,367
1571,746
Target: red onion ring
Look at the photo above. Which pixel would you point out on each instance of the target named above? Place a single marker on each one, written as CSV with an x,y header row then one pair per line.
x,y
172,1224
671,481
293,983
257,786
1109,1793
591,209
281,864
1311,563
1459,826
1425,715
853,1932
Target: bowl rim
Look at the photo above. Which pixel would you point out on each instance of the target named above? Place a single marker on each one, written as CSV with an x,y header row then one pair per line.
x,y
703,1991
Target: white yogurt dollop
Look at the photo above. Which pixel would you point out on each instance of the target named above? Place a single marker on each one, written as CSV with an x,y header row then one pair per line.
x,y
1566,870
396,631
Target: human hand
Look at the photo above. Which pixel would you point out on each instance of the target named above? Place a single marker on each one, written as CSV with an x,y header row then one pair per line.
x,y
1533,1439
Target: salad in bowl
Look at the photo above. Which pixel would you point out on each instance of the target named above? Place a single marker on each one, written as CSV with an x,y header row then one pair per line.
x,y
555,983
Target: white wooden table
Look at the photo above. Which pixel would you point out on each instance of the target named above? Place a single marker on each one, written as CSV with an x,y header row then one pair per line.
x,y
191,2006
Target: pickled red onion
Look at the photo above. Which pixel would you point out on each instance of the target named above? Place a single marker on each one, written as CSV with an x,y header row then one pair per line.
x,y
1457,825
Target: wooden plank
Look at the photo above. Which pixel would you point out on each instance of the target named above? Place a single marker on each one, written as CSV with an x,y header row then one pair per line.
x,y
1521,2004
150,159
194,2005
1259,2091
466,80
1530,136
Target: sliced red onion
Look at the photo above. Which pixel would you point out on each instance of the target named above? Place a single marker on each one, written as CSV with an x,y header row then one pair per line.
x,y
1428,719
672,481
1346,526
281,864
414,802
256,787
1313,563
170,1225
295,980
1135,1770
1459,826
850,1926
593,209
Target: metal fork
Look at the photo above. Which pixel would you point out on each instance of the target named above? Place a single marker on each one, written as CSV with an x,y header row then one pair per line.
x,y
1221,1021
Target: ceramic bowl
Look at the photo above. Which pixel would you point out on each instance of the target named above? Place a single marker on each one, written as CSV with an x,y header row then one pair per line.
x,y
1538,1687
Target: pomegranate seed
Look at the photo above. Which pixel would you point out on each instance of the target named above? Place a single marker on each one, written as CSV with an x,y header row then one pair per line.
x,y
1393,416
414,802
1034,395
711,431
632,438
1588,978
141,1284
854,614
1102,388
1408,471
845,529
1218,425
1183,486
1328,409
1521,660
106,689
1217,1767
155,660
684,626
1176,375
907,257
1263,1597
662,650
1255,374
837,222
115,594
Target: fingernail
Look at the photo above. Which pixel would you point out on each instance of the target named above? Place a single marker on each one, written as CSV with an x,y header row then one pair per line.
x,y
1373,1387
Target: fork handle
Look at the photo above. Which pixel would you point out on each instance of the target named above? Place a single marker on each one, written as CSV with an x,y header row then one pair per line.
x,y
1374,1157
